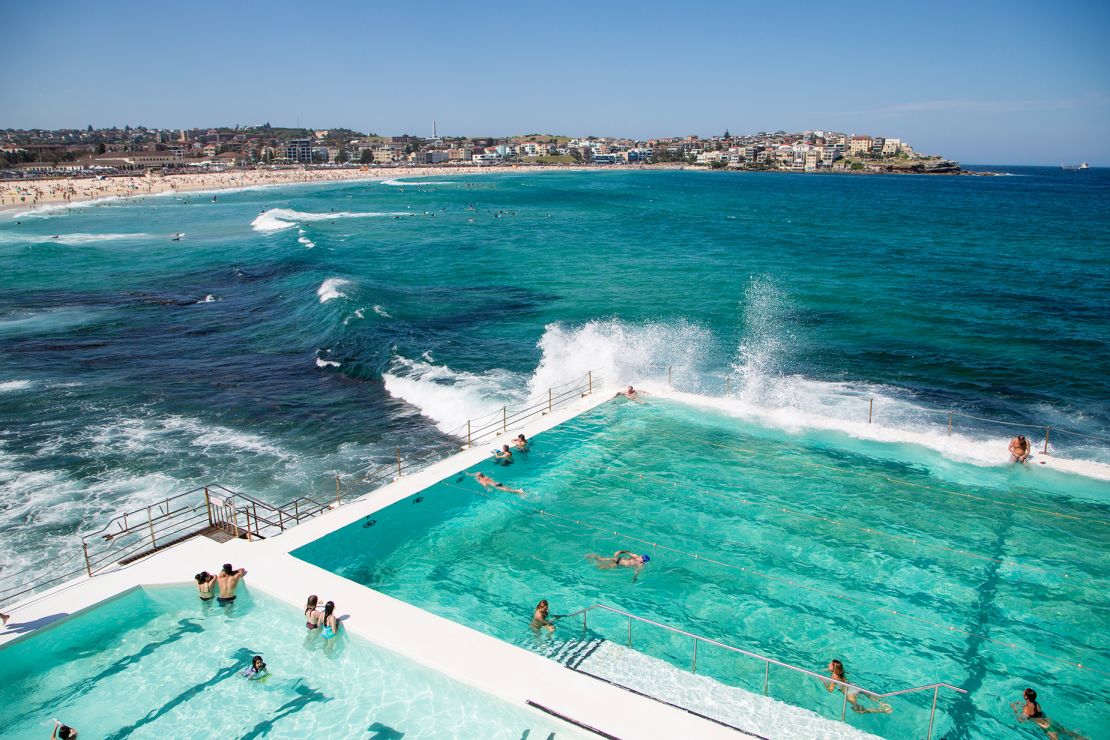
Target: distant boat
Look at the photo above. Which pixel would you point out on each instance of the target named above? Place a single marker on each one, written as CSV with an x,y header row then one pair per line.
x,y
1080,166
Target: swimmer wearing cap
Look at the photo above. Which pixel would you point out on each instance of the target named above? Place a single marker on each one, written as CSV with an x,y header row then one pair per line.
x,y
621,559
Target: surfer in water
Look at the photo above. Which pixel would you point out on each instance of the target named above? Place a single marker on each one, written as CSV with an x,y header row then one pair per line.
x,y
486,482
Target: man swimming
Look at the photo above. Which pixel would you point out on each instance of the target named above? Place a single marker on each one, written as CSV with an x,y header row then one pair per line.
x,y
1019,449
621,559
227,580
488,483
631,394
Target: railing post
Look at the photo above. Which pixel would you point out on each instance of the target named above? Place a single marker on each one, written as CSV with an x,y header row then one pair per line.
x,y
468,433
88,565
150,525
949,423
549,400
504,419
630,632
297,510
398,462
589,382
728,382
669,375
870,408
254,509
695,668
766,676
932,713
208,506
1047,431
281,521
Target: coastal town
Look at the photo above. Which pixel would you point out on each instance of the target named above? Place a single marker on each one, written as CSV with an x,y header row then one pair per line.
x,y
115,151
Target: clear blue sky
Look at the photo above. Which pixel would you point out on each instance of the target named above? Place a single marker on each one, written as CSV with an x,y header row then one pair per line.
x,y
983,82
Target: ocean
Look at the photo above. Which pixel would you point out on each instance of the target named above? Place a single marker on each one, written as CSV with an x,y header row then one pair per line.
x,y
297,332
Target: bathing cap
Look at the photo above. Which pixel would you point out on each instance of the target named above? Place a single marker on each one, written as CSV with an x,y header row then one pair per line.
x,y
646,557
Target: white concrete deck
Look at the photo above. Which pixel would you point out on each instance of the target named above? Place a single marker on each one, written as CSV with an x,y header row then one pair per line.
x,y
504,670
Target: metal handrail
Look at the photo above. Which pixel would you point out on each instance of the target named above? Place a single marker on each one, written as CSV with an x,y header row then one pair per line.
x,y
768,662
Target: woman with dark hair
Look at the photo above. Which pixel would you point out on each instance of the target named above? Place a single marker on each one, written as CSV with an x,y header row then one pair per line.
x,y
311,615
329,622
1032,712
204,585
540,618
840,681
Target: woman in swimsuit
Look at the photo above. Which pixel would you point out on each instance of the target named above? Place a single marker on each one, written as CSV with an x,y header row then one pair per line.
x,y
311,616
1032,712
540,619
329,622
204,585
840,681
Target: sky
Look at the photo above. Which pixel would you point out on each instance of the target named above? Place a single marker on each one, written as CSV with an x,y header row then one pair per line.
x,y
982,82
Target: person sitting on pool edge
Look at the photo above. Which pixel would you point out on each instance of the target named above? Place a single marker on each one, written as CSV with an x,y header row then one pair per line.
x,y
836,671
1019,449
1032,712
504,456
621,559
227,580
487,483
521,443
540,620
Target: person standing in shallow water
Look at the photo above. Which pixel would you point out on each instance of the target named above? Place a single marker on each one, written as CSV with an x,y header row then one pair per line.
x,y
540,618
1019,449
228,580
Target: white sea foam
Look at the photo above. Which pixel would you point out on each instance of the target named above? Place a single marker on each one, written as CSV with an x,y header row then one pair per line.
x,y
208,299
380,312
451,397
277,219
330,289
327,363
405,183
50,209
48,321
308,243
15,385
73,240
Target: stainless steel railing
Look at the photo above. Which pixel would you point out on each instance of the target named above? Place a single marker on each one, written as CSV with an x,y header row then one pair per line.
x,y
768,662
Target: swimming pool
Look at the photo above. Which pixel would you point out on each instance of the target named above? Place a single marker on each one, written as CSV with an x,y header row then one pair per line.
x,y
157,662
908,567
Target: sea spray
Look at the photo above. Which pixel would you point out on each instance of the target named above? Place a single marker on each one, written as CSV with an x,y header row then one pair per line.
x,y
330,289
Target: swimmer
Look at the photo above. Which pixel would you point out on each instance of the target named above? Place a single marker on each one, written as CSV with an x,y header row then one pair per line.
x,y
311,615
632,394
329,621
62,732
621,559
504,456
1019,449
227,581
487,483
521,443
257,671
540,620
1032,712
840,681
204,585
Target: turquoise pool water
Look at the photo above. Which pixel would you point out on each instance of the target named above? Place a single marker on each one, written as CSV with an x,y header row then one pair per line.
x,y
909,567
158,663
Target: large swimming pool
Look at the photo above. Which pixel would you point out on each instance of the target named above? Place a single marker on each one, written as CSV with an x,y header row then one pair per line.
x,y
159,663
908,567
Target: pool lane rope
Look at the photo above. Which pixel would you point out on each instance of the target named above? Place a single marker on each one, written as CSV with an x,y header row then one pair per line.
x,y
901,481
744,569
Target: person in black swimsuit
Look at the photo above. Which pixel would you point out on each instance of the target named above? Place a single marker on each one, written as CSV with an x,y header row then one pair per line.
x,y
311,615
1032,712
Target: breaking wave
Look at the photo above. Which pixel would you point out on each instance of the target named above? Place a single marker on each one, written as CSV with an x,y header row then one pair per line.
x,y
277,219
408,183
330,289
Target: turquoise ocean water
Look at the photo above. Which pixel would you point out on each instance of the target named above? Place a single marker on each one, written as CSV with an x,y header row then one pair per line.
x,y
298,331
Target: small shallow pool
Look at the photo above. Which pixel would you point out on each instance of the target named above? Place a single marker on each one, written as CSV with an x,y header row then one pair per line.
x,y
908,567
159,663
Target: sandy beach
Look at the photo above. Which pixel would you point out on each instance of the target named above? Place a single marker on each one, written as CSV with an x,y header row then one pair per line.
x,y
22,194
